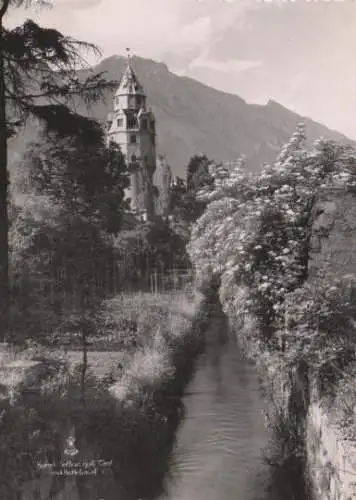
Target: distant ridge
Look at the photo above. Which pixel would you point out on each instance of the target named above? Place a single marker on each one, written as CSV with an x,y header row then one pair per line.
x,y
193,117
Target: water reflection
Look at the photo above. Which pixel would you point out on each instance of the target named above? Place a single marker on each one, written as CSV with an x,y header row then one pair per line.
x,y
220,452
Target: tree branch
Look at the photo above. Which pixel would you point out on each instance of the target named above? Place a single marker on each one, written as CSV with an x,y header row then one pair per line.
x,y
3,10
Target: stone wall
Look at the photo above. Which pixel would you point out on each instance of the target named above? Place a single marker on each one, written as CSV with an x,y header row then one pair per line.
x,y
333,242
331,458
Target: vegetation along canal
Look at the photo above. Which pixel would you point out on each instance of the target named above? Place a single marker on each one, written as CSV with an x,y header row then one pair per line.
x,y
219,450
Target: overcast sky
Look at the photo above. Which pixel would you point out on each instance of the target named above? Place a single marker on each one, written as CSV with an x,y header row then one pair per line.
x,y
301,53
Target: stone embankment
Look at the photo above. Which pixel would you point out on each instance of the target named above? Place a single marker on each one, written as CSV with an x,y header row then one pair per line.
x,y
331,457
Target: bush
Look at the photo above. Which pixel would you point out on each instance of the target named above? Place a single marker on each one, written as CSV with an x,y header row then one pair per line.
x,y
149,247
36,420
255,234
320,328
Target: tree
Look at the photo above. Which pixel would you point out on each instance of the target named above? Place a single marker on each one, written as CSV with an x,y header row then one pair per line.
x,y
86,181
62,252
178,190
164,179
185,207
167,248
198,174
63,269
198,177
38,77
147,248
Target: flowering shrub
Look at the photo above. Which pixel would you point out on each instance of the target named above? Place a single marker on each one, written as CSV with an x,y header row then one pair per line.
x,y
320,326
256,229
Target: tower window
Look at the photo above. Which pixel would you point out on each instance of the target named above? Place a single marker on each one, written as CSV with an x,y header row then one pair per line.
x,y
131,121
144,124
133,138
120,122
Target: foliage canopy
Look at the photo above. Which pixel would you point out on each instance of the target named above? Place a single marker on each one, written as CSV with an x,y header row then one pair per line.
x,y
255,234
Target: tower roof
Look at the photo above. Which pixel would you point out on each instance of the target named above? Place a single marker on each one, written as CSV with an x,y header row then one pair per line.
x,y
129,83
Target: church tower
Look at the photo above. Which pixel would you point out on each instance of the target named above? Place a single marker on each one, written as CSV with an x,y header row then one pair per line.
x,y
132,127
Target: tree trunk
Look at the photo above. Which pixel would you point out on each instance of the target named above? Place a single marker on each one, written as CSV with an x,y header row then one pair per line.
x,y
4,223
84,361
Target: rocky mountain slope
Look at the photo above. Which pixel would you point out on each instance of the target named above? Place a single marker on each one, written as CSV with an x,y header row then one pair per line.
x,y
194,118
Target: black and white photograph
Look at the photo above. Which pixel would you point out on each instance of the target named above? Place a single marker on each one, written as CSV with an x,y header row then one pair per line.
x,y
177,250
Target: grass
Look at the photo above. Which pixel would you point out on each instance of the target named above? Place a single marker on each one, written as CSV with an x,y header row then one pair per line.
x,y
130,417
137,335
160,326
343,404
131,329
150,390
132,343
135,316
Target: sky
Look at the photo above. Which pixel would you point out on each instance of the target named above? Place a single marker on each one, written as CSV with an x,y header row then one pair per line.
x,y
301,53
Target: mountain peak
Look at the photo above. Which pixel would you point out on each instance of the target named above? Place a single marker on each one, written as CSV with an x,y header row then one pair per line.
x,y
192,117
109,63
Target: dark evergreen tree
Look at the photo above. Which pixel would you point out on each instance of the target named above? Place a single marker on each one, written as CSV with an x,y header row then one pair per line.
x,y
178,190
185,208
62,254
198,174
38,77
147,248
86,181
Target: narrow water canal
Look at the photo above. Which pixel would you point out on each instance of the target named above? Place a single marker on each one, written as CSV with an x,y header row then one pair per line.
x,y
221,445
219,452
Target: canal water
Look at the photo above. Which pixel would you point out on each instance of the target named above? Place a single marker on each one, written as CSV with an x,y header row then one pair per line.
x,y
220,446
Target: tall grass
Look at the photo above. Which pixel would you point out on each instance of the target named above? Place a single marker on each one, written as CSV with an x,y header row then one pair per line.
x,y
129,417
